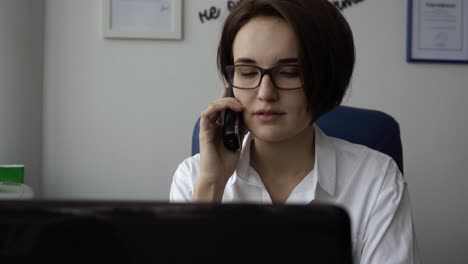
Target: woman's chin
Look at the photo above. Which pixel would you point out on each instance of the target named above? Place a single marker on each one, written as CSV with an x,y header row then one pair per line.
x,y
269,134
278,133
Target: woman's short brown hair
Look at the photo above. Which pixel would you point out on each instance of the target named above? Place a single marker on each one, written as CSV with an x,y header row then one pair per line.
x,y
326,46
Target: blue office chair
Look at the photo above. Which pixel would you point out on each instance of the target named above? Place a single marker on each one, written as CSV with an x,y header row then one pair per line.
x,y
372,128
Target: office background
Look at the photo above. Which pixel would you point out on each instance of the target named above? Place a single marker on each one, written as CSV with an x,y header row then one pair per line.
x,y
96,118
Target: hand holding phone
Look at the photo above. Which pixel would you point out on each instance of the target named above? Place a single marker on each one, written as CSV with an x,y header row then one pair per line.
x,y
221,131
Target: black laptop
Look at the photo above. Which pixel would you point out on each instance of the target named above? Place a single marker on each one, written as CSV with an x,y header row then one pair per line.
x,y
175,233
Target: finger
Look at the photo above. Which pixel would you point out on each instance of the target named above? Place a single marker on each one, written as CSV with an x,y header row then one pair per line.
x,y
223,94
221,105
212,113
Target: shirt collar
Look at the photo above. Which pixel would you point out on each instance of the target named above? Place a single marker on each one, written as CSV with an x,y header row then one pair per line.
x,y
325,162
243,169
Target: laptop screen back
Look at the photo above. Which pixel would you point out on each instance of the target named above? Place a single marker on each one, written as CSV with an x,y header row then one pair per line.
x,y
137,231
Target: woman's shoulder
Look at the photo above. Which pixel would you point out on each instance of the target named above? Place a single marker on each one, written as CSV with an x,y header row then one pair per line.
x,y
363,162
188,170
363,172
348,151
184,178
352,152
190,165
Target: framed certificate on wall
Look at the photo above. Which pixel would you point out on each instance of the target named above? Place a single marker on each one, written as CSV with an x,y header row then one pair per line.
x,y
142,19
437,31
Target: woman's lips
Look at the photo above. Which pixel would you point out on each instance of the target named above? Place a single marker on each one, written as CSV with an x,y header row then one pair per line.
x,y
268,115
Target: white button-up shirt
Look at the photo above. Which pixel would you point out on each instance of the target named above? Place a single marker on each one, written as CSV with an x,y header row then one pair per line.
x,y
367,183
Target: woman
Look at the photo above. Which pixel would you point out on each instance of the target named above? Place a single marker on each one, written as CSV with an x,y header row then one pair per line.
x,y
289,62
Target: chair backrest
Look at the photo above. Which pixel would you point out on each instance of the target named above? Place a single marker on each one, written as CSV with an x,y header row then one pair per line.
x,y
371,128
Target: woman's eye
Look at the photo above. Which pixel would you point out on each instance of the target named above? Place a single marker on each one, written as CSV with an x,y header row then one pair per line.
x,y
249,74
289,73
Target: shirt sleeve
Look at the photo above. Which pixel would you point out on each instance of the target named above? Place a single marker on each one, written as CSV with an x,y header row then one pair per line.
x,y
182,182
390,236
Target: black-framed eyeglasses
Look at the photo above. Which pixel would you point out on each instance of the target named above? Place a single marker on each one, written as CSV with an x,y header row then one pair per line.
x,y
286,77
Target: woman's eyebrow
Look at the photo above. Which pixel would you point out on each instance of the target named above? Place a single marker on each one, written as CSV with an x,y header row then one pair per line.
x,y
244,60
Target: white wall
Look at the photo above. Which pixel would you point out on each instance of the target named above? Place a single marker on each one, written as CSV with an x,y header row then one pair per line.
x,y
21,49
118,114
428,100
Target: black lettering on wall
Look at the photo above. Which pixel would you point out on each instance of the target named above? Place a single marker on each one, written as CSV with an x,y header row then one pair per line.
x,y
342,4
213,14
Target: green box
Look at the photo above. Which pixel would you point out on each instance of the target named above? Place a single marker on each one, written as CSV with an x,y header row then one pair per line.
x,y
12,173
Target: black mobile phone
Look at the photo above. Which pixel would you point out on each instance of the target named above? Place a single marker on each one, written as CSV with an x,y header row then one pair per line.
x,y
231,133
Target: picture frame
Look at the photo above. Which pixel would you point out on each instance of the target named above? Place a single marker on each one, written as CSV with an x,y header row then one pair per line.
x,y
142,19
437,31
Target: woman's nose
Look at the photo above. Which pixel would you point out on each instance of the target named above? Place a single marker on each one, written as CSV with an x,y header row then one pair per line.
x,y
266,90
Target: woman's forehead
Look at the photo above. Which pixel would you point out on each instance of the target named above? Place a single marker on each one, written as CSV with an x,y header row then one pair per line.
x,y
267,39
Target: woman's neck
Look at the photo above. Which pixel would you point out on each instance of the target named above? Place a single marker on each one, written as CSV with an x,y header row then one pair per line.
x,y
284,160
